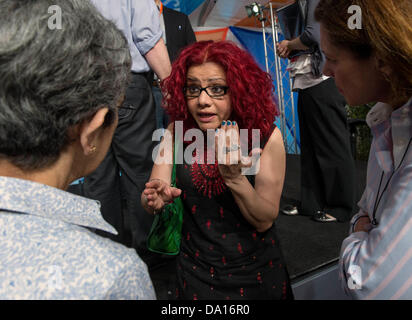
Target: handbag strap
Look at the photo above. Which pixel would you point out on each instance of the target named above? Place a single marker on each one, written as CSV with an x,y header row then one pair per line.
x,y
173,183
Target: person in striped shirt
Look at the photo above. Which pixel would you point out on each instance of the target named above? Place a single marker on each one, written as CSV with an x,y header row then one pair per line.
x,y
368,49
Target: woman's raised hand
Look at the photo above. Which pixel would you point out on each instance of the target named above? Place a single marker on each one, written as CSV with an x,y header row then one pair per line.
x,y
159,193
229,153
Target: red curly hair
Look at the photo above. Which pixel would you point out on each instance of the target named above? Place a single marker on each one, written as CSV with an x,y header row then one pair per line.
x,y
251,89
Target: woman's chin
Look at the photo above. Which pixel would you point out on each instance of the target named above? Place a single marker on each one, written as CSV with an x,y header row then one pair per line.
x,y
207,125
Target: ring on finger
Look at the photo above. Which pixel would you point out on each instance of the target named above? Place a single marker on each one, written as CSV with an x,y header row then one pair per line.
x,y
232,148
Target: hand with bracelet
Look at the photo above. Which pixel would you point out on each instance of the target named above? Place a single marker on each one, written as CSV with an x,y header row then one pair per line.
x,y
157,194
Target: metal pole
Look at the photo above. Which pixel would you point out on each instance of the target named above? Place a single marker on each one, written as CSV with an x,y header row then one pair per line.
x,y
278,79
293,116
280,83
264,42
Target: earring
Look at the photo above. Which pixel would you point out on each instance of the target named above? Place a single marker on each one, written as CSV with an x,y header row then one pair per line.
x,y
93,149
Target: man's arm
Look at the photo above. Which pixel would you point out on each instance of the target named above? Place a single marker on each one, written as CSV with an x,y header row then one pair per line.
x,y
309,38
311,35
147,36
159,60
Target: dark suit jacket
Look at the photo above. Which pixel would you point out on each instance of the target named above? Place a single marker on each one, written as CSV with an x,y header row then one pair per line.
x,y
179,32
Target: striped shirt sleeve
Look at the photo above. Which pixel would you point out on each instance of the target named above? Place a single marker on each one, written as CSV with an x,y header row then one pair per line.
x,y
377,264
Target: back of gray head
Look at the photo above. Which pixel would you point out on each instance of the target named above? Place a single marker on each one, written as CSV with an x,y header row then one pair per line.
x,y
53,78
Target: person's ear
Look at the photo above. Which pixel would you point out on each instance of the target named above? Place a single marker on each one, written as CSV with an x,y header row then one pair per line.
x,y
90,131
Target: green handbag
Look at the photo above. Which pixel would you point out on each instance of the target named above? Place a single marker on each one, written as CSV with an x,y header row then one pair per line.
x,y
166,231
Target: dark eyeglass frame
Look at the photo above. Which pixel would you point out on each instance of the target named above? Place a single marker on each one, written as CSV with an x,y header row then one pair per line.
x,y
225,90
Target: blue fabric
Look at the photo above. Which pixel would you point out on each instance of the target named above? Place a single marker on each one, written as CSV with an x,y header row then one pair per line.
x,y
47,252
253,42
78,181
185,6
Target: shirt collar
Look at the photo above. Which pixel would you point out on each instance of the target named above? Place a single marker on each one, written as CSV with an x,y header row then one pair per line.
x,y
392,130
27,197
378,114
401,131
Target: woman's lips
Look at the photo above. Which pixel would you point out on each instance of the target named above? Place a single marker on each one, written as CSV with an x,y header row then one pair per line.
x,y
206,117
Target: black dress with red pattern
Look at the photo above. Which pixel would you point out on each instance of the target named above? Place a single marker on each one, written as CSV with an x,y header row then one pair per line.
x,y
222,256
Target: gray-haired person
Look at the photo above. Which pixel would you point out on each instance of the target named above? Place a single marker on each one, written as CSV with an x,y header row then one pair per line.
x,y
120,179
60,90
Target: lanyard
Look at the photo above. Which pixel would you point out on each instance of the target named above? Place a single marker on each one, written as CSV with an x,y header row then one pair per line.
x,y
378,198
161,9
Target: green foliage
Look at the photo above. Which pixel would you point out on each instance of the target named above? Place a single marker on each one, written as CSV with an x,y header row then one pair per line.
x,y
363,134
358,112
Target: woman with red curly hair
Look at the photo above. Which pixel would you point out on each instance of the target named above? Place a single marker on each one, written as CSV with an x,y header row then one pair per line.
x,y
229,246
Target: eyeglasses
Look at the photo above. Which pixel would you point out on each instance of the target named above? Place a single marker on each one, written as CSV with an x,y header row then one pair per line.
x,y
212,91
